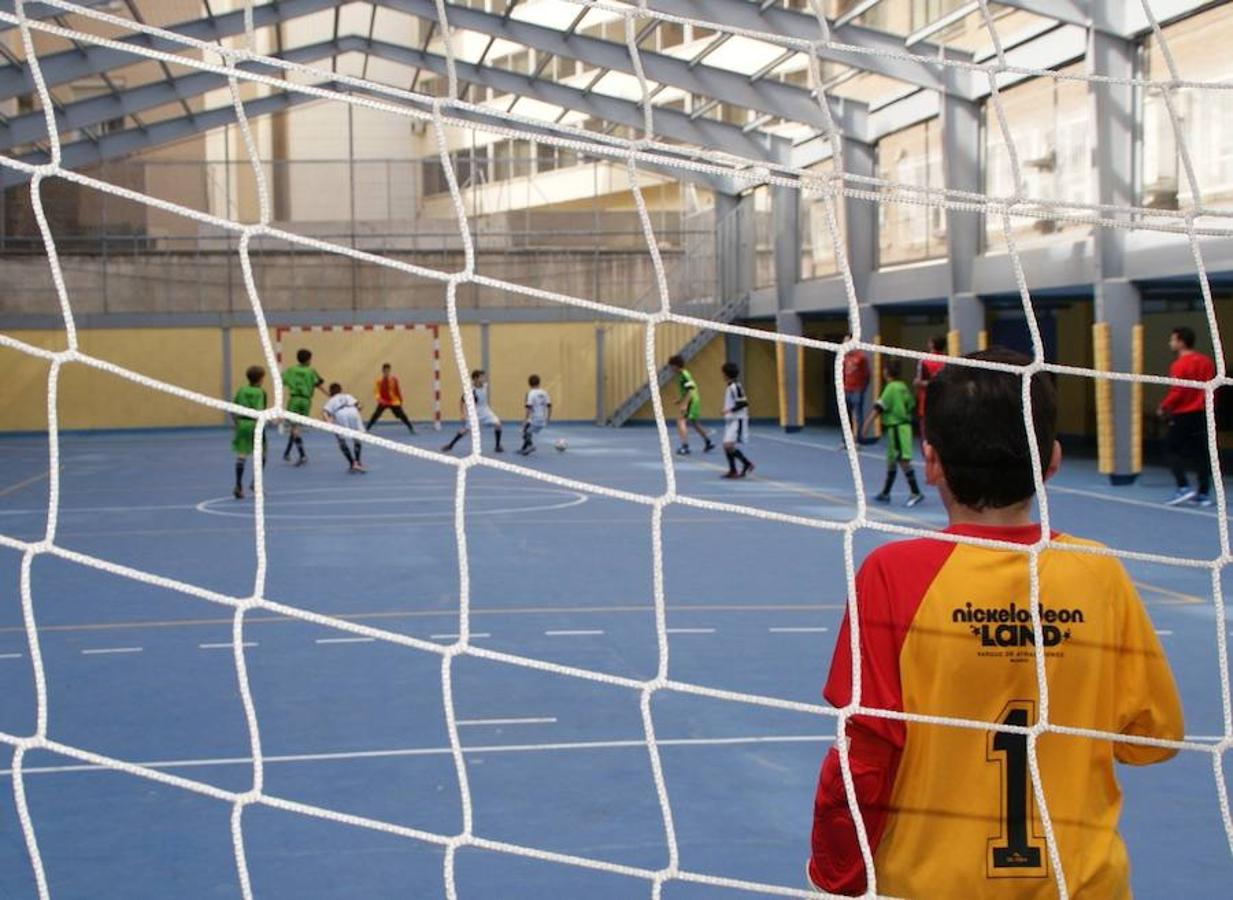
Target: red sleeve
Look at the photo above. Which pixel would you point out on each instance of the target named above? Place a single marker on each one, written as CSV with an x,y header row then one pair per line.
x,y
1191,367
889,589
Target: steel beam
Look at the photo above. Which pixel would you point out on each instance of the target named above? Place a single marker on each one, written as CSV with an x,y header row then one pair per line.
x,y
71,65
774,97
32,126
801,26
134,140
667,122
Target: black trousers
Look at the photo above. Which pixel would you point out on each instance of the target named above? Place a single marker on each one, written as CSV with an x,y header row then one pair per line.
x,y
1187,441
396,410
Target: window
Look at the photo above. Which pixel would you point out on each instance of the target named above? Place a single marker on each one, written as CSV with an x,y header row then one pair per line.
x,y
818,245
1206,116
1049,123
910,229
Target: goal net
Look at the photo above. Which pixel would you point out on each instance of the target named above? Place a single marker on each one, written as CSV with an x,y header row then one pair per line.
x,y
357,352
252,78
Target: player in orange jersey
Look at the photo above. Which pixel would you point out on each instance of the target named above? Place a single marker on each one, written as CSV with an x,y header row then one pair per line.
x,y
388,392
945,630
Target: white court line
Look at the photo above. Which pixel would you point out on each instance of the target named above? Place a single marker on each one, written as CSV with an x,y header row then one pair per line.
x,y
345,640
111,650
543,720
690,630
454,637
573,632
1164,632
441,751
10,656
224,645
803,629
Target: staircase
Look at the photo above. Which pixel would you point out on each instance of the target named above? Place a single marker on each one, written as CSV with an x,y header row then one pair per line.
x,y
727,312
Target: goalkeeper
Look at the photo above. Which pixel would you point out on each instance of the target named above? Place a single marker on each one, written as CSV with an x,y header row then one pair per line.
x,y
945,630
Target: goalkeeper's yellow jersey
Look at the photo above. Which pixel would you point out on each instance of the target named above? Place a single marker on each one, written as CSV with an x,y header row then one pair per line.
x,y
945,630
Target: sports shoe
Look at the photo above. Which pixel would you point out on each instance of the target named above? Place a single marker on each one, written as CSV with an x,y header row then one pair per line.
x,y
1202,500
1181,495
882,498
746,469
914,500
683,450
238,493
710,445
498,449
302,461
448,448
359,469
731,475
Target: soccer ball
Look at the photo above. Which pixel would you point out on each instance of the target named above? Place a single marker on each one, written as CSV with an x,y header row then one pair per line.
x,y
561,445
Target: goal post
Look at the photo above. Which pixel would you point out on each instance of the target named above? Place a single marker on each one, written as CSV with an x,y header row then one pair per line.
x,y
353,355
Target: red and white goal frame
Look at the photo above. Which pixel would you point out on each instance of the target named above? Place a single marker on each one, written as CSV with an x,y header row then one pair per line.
x,y
434,330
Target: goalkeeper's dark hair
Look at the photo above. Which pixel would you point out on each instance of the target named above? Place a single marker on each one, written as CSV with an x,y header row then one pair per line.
x,y
303,356
974,422
1185,334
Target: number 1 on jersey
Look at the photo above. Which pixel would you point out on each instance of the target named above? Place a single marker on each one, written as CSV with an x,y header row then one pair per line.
x,y
1016,852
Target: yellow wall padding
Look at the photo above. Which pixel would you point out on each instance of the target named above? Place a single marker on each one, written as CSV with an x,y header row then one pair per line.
x,y
1136,400
563,357
1104,398
89,398
954,346
982,340
790,414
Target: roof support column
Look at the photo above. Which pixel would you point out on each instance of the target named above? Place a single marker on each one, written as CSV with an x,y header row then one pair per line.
x,y
961,156
861,235
1117,333
786,244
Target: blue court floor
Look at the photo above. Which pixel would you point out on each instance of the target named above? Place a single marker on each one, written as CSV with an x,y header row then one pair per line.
x,y
146,674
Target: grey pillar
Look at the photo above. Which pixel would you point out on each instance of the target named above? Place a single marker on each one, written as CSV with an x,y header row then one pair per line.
x,y
601,414
961,137
225,380
786,229
1117,300
861,217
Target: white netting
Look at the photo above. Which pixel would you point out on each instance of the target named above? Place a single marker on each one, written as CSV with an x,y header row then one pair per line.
x,y
437,113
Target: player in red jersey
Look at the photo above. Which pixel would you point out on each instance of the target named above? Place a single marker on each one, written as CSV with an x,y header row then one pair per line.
x,y
946,631
926,369
1186,411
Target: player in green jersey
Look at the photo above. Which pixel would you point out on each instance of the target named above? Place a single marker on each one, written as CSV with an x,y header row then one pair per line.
x,y
689,402
300,380
895,406
252,395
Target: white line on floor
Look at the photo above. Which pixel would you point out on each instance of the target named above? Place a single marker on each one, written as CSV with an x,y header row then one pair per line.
x,y
803,629
346,640
1163,631
690,630
454,637
10,656
112,650
224,645
567,632
443,751
544,720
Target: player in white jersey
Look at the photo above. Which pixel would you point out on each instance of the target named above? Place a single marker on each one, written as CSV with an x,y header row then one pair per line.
x,y
539,412
736,422
343,409
483,412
